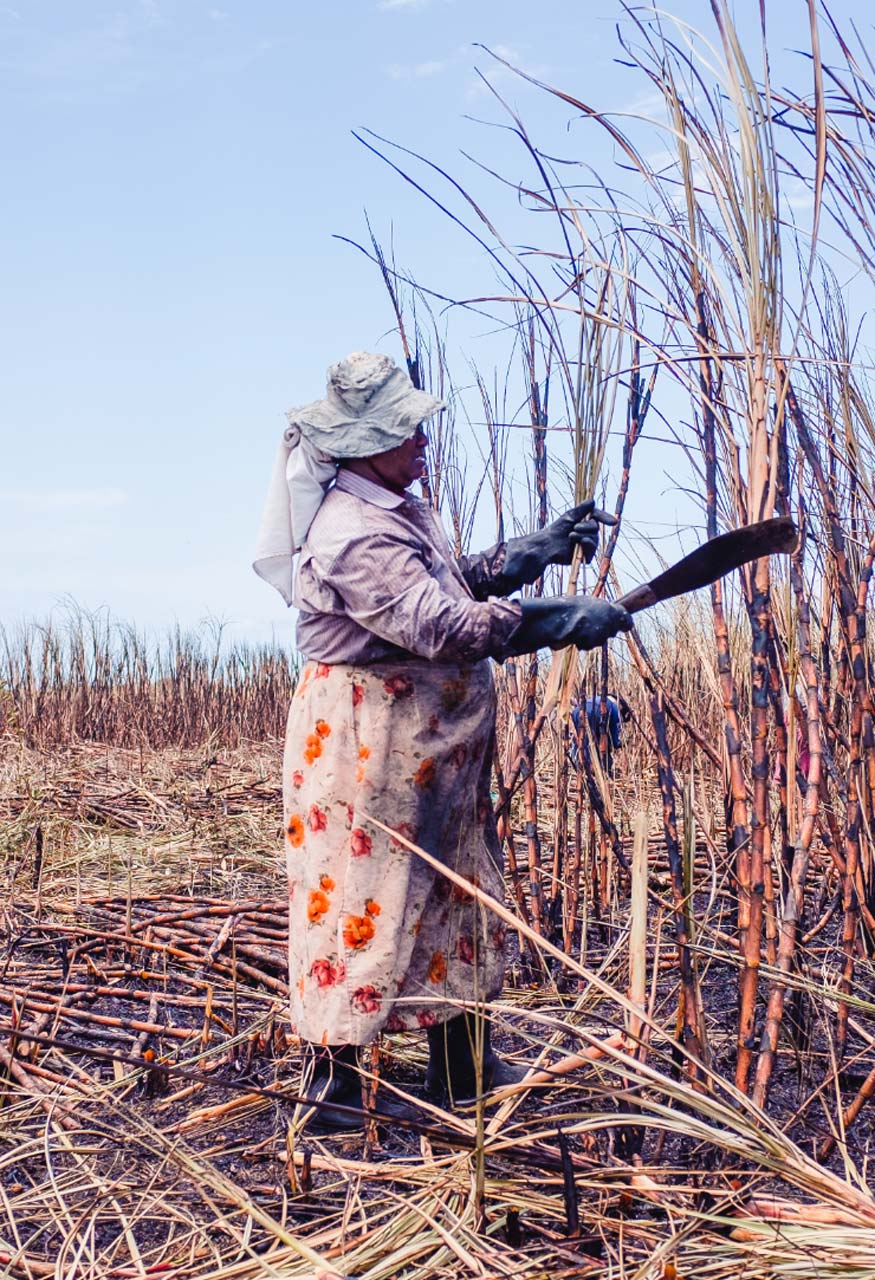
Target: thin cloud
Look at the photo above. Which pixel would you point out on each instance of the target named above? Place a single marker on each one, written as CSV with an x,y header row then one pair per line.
x,y
40,501
83,57
462,57
494,72
116,57
650,105
403,4
797,196
420,70
661,160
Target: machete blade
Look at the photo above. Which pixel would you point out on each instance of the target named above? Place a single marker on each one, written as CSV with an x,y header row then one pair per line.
x,y
713,560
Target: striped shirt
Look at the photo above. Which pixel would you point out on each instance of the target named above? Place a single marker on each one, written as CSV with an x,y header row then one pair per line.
x,y
377,580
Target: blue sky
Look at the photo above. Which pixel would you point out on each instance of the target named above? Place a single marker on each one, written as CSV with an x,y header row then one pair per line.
x,y
175,174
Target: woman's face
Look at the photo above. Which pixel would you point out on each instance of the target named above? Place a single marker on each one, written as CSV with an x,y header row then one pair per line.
x,y
398,468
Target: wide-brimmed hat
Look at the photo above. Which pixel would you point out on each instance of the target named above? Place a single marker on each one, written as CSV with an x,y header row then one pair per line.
x,y
370,406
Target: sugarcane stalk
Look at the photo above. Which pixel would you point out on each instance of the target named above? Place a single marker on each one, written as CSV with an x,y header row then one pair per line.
x,y
689,1001
794,899
710,388
688,852
560,827
638,922
637,404
572,890
849,1115
751,940
525,758
505,833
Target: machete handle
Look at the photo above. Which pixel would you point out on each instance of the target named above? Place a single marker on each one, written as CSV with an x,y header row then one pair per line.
x,y
638,598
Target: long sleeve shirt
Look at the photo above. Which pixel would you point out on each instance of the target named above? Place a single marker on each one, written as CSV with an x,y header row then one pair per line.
x,y
594,716
377,580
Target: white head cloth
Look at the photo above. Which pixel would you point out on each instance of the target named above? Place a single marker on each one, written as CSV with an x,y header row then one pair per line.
x,y
370,406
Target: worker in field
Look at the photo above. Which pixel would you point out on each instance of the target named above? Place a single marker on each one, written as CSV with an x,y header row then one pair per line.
x,y
393,718
617,712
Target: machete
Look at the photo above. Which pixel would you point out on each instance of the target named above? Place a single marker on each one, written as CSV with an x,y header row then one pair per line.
x,y
713,559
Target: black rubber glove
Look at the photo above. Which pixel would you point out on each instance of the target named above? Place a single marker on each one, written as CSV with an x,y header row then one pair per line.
x,y
527,558
558,621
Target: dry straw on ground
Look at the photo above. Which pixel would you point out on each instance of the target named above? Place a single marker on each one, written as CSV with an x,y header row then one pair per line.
x,y
693,933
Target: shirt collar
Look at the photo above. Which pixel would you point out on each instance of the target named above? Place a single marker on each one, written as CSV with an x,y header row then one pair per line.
x,y
351,482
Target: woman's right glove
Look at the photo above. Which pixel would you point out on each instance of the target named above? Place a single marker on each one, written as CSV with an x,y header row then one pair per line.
x,y
557,621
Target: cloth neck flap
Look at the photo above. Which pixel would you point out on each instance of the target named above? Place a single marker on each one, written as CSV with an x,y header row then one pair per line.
x,y
301,477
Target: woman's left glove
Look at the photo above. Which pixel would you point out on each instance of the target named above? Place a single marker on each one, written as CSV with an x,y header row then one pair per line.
x,y
527,558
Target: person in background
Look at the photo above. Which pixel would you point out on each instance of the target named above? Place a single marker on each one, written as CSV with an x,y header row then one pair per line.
x,y
390,733
618,710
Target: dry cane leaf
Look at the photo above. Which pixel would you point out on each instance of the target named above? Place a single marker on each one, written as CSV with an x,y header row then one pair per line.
x,y
776,1209
561,1068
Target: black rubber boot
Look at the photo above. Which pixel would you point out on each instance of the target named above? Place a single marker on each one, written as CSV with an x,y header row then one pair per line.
x,y
452,1075
335,1081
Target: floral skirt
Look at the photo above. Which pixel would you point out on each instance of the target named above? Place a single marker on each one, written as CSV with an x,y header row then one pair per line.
x,y
378,940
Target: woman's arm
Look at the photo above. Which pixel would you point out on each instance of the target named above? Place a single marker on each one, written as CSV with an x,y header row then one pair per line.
x,y
483,572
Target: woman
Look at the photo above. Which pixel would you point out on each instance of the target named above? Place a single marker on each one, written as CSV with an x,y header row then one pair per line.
x,y
393,719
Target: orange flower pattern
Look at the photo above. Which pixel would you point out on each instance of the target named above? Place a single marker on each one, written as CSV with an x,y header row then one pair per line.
x,y
357,931
295,831
317,905
426,773
378,939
